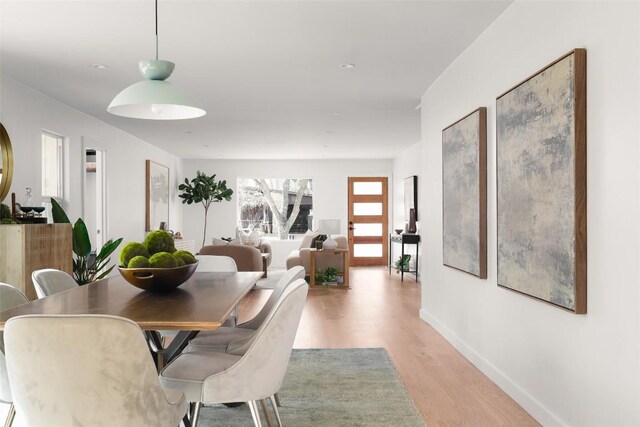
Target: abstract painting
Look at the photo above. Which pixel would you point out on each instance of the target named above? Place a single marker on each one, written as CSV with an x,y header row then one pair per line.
x,y
542,184
157,196
464,194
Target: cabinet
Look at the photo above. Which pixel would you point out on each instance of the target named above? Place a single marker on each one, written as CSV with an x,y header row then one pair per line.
x,y
25,248
404,239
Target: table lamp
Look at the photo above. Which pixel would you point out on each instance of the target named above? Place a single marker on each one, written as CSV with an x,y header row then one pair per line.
x,y
329,227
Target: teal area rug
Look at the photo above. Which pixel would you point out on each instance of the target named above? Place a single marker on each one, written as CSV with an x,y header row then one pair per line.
x,y
333,387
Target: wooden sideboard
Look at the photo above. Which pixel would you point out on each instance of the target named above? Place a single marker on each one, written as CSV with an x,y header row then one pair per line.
x,y
25,248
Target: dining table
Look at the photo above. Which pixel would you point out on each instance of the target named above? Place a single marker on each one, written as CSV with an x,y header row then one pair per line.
x,y
202,303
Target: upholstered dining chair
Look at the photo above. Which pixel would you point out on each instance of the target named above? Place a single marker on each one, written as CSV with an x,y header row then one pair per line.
x,y
223,264
238,337
207,377
9,297
86,370
216,263
50,281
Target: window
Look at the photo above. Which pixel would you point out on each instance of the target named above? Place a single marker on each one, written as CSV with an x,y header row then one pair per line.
x,y
266,204
52,166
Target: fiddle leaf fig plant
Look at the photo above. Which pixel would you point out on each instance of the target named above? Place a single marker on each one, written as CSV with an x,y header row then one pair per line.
x,y
206,190
84,270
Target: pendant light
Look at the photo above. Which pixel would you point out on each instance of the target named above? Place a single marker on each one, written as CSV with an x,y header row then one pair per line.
x,y
154,98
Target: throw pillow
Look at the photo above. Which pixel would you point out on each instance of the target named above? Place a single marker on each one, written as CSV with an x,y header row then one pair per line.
x,y
308,238
250,239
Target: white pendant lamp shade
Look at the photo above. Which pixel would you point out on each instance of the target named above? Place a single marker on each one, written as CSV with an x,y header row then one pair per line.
x,y
154,98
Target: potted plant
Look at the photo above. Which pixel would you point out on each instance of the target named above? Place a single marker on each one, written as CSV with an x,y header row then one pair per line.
x,y
85,269
327,276
402,263
206,190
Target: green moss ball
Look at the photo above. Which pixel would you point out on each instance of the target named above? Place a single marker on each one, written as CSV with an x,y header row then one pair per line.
x,y
185,256
163,260
132,250
179,261
159,241
139,262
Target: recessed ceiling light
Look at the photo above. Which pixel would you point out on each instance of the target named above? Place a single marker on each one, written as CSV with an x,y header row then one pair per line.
x,y
335,113
204,145
347,65
189,132
99,66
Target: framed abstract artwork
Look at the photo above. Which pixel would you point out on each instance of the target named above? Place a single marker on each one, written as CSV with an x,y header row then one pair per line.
x,y
464,194
157,196
541,161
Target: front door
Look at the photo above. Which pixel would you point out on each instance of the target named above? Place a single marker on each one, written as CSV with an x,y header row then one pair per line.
x,y
368,221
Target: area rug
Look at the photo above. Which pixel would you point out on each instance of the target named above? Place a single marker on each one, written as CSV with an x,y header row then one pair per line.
x,y
333,387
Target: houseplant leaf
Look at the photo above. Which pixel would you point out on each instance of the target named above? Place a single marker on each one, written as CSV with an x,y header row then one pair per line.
x,y
58,214
81,242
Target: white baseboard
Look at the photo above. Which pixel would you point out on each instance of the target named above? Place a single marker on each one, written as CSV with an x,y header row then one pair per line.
x,y
524,399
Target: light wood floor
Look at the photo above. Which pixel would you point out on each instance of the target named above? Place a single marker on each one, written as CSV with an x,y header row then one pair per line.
x,y
380,311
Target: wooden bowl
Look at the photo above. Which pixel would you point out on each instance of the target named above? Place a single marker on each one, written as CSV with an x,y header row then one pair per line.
x,y
158,279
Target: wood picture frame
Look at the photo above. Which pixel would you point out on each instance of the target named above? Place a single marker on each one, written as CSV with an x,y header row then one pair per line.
x,y
464,194
156,196
541,168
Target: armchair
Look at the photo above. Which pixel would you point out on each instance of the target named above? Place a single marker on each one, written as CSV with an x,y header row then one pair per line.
x,y
301,257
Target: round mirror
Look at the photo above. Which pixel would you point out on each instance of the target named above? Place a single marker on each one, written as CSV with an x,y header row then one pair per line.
x,y
6,163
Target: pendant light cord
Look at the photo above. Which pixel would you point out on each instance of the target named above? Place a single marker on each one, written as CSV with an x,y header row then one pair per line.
x,y
156,29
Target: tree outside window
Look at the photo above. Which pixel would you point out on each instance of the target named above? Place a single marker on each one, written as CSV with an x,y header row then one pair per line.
x,y
275,206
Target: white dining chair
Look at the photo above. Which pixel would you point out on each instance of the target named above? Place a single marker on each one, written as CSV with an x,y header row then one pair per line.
x,y
216,263
9,297
224,264
239,336
207,377
50,281
86,370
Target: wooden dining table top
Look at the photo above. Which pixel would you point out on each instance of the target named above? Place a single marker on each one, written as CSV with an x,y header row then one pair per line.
x,y
201,303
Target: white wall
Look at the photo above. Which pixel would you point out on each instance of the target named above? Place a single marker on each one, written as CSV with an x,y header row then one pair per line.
x,y
329,189
25,112
407,163
565,369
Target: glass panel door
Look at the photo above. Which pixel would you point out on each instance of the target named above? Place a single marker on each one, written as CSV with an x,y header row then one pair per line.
x,y
368,221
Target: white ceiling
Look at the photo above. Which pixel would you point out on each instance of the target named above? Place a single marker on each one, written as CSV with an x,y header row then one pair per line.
x,y
267,72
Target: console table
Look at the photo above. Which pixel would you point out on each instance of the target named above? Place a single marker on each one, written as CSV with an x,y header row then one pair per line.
x,y
404,239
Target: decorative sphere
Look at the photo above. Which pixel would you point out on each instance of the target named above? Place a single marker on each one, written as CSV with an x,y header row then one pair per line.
x,y
132,250
163,260
186,256
159,241
139,262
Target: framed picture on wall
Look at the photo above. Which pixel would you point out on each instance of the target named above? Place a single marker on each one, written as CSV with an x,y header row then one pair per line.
x,y
464,194
157,196
541,149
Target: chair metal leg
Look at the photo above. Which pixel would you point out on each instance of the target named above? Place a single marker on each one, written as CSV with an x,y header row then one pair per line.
x,y
185,421
277,399
195,414
254,413
10,416
275,409
267,414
